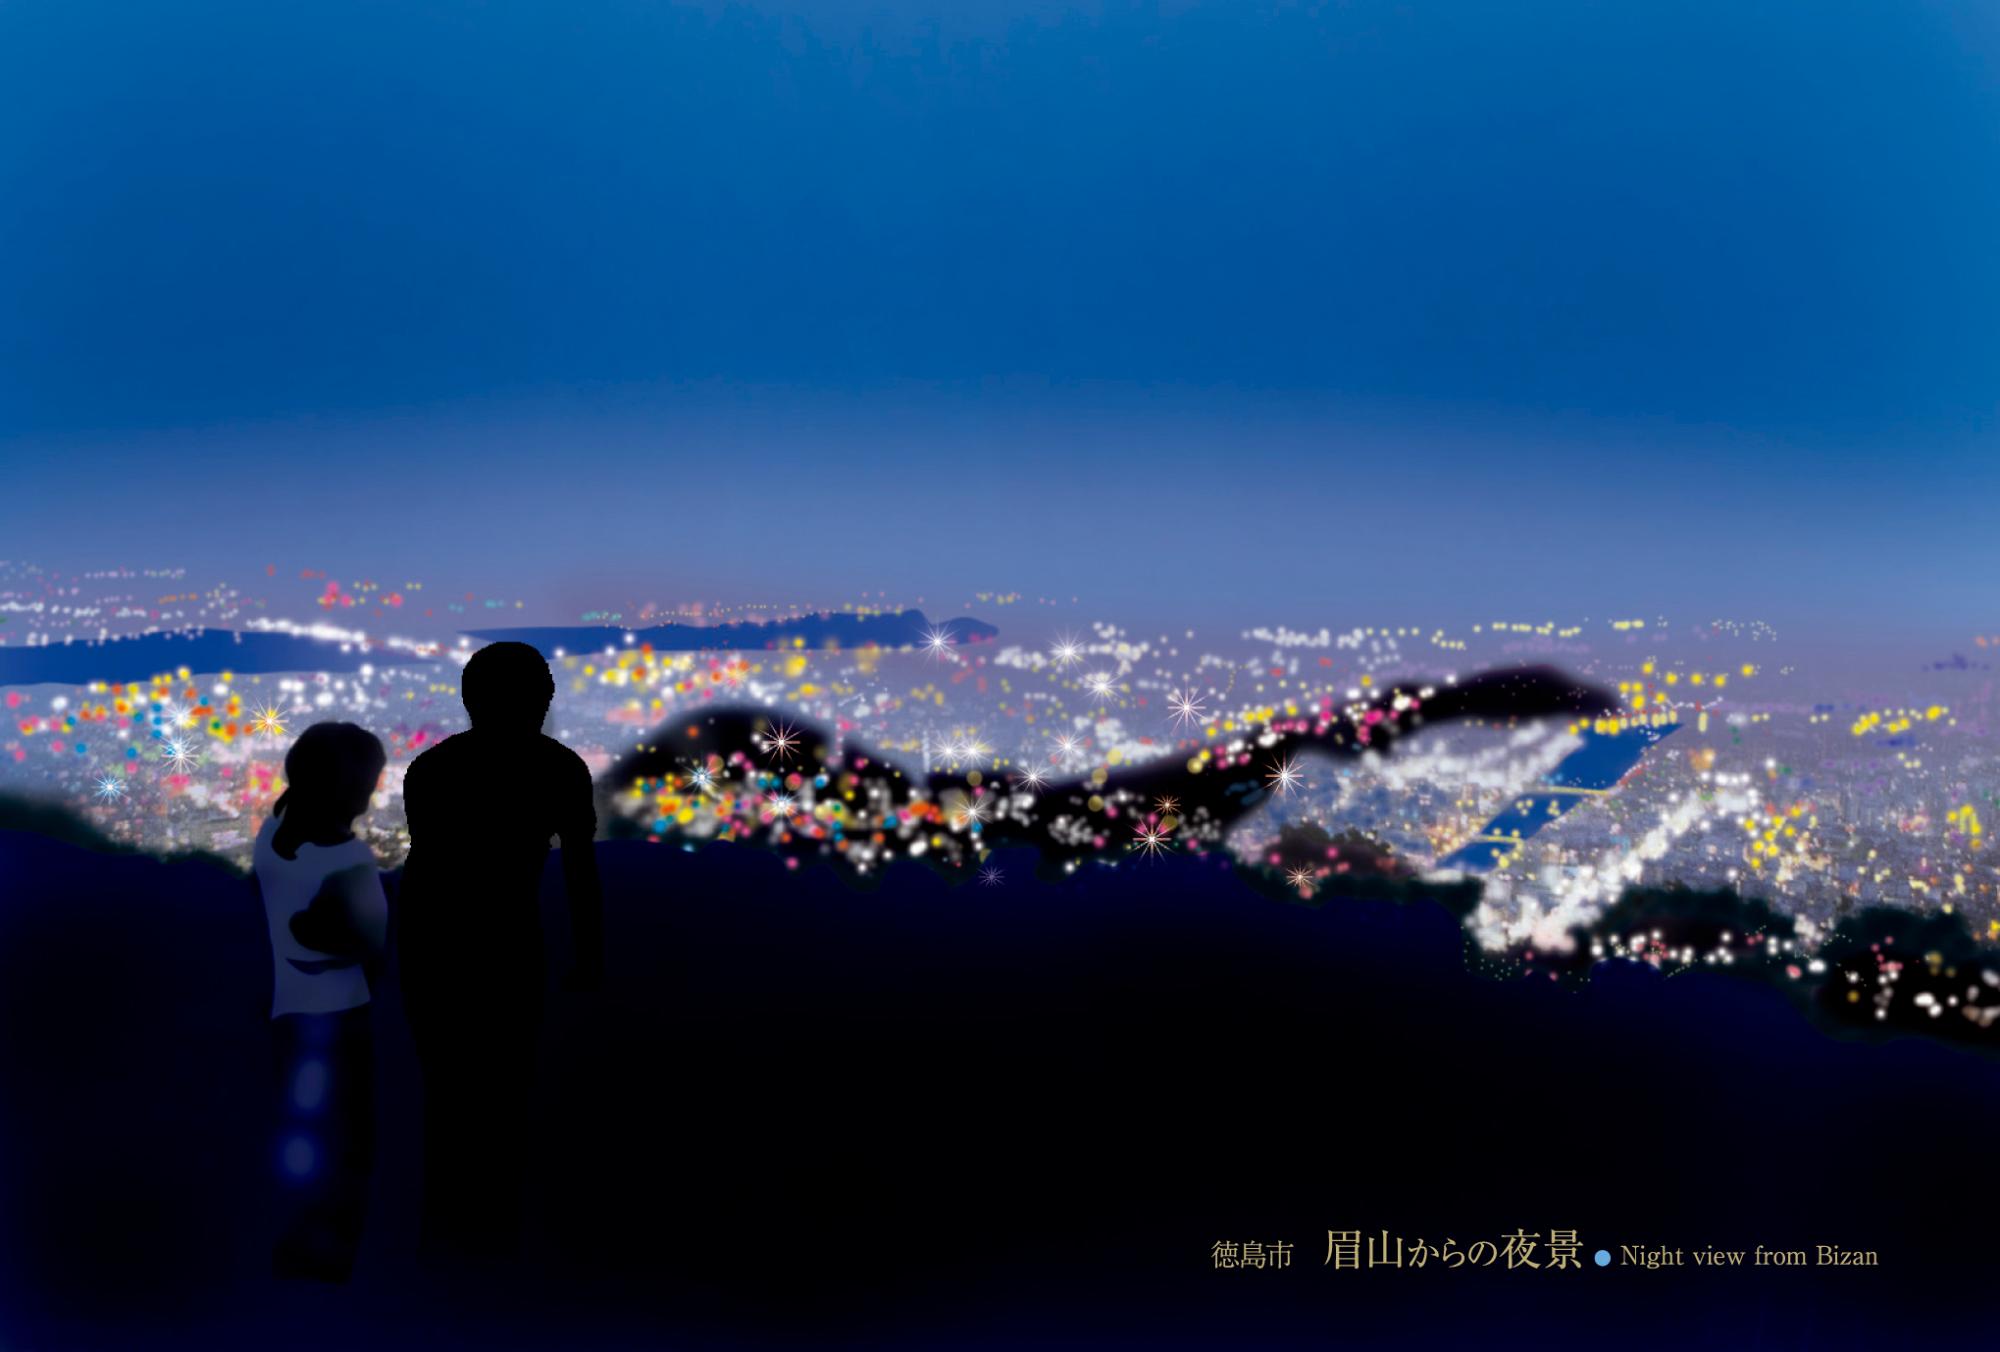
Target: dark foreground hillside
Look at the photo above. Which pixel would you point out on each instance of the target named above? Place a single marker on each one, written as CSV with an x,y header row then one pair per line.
x,y
995,1116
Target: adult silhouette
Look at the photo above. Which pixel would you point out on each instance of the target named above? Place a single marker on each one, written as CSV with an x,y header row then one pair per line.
x,y
482,806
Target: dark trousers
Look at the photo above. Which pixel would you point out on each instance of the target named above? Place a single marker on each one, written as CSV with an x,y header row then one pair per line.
x,y
478,1060
323,1139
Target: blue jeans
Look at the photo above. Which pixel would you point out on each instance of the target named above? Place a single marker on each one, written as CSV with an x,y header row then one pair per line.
x,y
323,1139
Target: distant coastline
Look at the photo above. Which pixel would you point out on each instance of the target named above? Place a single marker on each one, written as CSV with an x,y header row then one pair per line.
x,y
136,657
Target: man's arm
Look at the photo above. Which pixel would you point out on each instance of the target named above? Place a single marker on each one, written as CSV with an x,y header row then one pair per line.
x,y
577,836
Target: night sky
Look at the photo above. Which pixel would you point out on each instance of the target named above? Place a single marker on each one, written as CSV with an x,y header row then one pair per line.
x,y
1325,314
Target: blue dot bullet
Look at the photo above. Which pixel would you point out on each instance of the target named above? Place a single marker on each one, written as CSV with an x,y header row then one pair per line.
x,y
1604,1258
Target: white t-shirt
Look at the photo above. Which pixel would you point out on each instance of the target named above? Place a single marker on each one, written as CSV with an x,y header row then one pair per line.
x,y
289,885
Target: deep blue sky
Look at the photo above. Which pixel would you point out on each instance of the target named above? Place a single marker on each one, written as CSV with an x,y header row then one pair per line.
x,y
1336,312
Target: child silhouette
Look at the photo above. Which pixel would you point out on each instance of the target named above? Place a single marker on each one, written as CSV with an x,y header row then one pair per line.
x,y
328,920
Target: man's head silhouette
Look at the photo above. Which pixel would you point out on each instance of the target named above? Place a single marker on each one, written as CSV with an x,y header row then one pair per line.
x,y
507,688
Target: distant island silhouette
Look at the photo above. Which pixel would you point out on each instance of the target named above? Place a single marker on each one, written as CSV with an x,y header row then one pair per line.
x,y
79,661
905,629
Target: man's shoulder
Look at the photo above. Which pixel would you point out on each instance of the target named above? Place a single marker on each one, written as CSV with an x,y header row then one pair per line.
x,y
438,762
439,752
